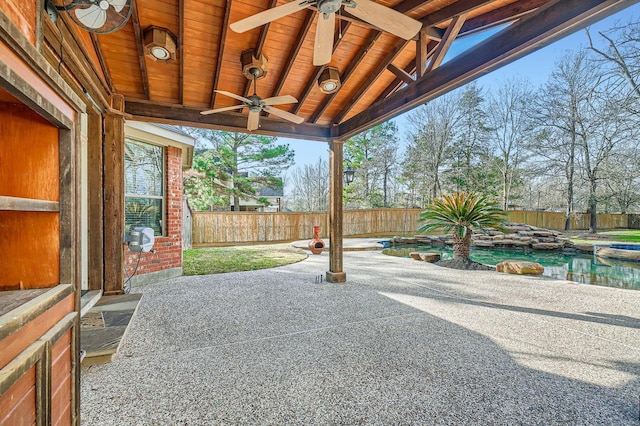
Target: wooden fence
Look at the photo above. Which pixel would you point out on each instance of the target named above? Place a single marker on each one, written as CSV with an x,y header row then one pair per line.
x,y
229,228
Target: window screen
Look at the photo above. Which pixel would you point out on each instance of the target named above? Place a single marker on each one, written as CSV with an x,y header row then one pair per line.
x,y
144,186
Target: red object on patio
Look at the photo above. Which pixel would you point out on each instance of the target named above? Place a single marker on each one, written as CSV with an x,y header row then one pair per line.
x,y
316,245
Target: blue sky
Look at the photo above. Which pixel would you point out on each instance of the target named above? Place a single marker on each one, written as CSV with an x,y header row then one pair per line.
x,y
535,67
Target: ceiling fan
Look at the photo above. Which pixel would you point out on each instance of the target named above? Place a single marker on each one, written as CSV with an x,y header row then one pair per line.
x,y
376,14
256,104
96,16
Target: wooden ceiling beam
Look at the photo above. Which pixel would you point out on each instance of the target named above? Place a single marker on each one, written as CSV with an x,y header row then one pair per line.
x,y
371,39
223,38
259,45
137,31
293,54
449,37
366,85
318,70
504,15
525,36
234,122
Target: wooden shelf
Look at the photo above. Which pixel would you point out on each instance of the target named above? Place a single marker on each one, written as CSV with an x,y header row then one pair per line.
x,y
28,204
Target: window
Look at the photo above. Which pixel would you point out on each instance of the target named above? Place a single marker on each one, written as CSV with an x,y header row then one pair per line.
x,y
144,185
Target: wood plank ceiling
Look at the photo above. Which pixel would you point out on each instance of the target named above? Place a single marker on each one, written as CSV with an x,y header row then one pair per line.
x,y
382,75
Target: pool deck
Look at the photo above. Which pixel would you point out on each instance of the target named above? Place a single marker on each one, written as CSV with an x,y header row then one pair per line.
x,y
401,342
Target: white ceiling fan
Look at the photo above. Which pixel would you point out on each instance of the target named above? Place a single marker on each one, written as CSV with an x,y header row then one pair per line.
x,y
376,14
256,104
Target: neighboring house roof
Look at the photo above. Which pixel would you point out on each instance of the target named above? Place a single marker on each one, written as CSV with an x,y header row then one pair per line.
x,y
267,191
172,128
165,135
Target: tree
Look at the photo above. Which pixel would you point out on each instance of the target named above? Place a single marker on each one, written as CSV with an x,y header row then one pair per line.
x,y
372,154
469,150
558,117
507,119
431,132
621,56
310,190
461,213
244,161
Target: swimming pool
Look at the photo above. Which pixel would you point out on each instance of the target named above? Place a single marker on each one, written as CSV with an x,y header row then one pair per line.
x,y
581,268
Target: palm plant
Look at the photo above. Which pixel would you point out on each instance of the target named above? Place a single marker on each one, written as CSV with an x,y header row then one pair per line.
x,y
461,213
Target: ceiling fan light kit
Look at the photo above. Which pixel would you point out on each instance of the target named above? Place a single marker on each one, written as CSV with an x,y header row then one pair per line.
x,y
329,80
159,44
252,66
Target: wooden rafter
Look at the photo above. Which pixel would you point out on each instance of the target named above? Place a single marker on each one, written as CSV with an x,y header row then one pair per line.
x,y
293,54
397,83
449,37
259,45
455,9
223,37
501,16
408,6
103,63
137,31
318,70
546,25
181,49
366,85
371,39
400,73
422,50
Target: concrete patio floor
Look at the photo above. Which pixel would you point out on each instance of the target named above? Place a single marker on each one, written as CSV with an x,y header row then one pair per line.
x,y
402,342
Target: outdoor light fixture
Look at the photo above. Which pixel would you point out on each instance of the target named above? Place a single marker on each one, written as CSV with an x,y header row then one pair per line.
x,y
348,173
329,80
159,44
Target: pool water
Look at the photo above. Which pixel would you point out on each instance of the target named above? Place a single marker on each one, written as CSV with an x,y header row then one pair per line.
x,y
581,268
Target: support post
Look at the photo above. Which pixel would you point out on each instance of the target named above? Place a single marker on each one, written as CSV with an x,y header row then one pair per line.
x,y
335,274
113,199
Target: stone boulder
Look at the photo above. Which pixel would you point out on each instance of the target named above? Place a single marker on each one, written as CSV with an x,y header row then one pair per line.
x,y
415,255
519,267
430,257
425,257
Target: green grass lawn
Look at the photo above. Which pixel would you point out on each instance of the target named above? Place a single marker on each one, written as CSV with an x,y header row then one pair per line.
x,y
627,235
609,237
217,260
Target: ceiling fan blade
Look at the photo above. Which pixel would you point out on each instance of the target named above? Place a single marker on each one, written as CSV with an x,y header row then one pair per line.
x,y
268,15
280,100
117,4
323,47
213,111
254,120
386,19
91,17
283,114
233,95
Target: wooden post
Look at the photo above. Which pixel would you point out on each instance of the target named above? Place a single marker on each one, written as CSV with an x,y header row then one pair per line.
x,y
95,202
335,273
113,199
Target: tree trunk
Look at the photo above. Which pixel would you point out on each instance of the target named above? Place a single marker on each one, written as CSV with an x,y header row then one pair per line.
x,y
462,246
593,208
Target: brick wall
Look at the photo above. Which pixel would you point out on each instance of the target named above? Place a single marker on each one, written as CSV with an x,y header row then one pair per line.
x,y
168,247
